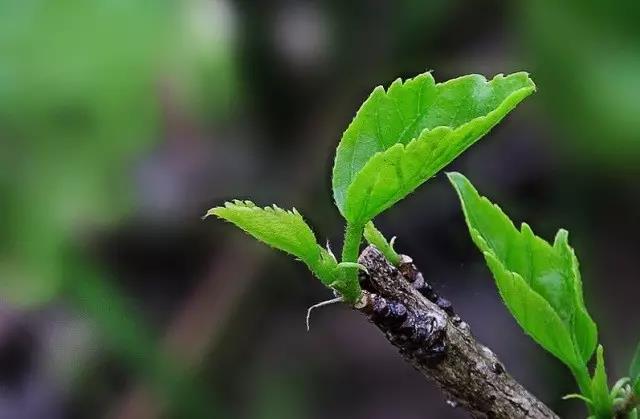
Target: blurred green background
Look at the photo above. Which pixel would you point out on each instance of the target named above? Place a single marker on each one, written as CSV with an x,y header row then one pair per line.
x,y
122,121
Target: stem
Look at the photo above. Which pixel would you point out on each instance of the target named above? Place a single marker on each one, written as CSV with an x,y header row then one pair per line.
x,y
352,239
350,250
583,379
436,341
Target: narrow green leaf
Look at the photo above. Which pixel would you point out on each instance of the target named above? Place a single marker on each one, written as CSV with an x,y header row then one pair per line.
x,y
287,231
602,403
373,236
579,397
634,368
402,137
539,283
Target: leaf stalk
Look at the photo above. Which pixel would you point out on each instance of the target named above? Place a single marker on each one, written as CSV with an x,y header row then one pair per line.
x,y
583,380
351,250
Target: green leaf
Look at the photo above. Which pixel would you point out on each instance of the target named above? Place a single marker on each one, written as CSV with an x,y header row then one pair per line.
x,y
634,368
402,137
602,403
284,230
539,283
532,312
579,397
585,331
287,231
373,236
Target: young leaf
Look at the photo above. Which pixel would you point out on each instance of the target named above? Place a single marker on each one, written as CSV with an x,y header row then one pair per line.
x,y
402,137
602,403
284,230
585,331
287,231
579,397
373,236
539,283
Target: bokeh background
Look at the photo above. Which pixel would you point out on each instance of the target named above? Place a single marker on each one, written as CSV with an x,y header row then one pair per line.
x,y
123,121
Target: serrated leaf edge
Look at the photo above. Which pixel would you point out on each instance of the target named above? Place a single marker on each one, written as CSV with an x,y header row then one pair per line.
x,y
504,107
562,233
324,265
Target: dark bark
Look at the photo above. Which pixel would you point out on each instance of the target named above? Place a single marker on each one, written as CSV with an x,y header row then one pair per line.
x,y
431,337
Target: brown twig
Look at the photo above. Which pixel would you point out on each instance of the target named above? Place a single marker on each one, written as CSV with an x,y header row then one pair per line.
x,y
432,338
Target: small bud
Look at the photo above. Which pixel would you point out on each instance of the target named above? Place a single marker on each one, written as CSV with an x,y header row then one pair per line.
x,y
446,305
497,368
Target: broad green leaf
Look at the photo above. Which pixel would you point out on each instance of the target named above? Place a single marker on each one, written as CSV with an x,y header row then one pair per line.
x,y
539,283
287,231
402,137
619,388
602,403
532,312
373,236
634,368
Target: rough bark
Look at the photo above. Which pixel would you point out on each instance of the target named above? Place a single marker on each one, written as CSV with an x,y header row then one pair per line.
x,y
431,337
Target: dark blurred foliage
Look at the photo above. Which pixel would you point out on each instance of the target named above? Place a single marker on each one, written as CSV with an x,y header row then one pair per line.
x,y
595,46
121,122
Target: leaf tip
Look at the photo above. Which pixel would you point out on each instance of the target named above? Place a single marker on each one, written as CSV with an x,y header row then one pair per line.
x,y
454,176
459,182
211,212
525,76
525,228
562,238
579,397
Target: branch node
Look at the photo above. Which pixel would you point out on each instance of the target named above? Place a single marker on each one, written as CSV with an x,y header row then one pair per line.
x,y
435,340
